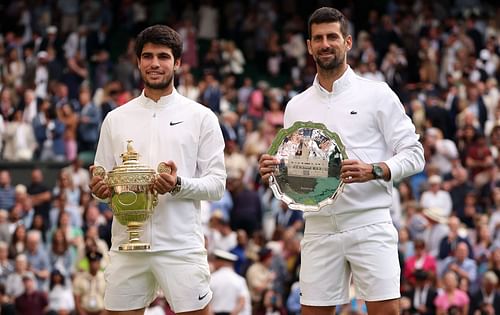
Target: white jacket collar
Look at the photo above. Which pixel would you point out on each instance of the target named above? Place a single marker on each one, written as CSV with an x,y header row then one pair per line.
x,y
339,85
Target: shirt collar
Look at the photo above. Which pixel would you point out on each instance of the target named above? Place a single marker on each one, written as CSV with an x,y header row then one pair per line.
x,y
162,102
339,85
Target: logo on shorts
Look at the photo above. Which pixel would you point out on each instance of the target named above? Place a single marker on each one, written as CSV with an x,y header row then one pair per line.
x,y
201,297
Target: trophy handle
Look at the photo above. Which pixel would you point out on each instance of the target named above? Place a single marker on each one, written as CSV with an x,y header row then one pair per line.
x,y
164,168
99,171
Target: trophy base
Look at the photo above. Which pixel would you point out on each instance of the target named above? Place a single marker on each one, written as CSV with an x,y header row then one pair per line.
x,y
130,247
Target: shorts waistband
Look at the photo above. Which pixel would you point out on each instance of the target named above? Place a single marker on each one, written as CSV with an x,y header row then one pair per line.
x,y
336,223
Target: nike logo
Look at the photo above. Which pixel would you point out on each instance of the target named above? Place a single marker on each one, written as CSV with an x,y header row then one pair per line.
x,y
202,297
175,123
353,112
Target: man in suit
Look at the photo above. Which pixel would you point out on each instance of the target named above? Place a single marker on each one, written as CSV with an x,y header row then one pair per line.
x,y
487,299
423,294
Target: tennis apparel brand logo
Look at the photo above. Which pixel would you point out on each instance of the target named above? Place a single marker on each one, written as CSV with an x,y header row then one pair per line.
x,y
353,112
175,123
201,297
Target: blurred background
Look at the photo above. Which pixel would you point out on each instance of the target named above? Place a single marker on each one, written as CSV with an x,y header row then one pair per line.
x,y
64,64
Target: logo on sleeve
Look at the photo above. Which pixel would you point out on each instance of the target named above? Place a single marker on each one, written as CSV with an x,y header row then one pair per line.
x,y
175,123
353,112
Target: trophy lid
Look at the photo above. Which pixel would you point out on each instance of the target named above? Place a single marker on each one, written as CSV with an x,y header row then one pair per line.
x,y
130,163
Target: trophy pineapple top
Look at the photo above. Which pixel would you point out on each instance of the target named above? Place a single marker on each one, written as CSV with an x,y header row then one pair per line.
x,y
130,154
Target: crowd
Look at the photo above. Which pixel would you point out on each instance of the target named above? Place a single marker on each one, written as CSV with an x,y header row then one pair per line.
x,y
65,64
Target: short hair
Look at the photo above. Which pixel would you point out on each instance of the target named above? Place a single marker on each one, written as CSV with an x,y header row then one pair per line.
x,y
159,35
328,15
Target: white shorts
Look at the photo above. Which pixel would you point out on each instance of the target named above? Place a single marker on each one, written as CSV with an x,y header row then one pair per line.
x,y
132,280
369,253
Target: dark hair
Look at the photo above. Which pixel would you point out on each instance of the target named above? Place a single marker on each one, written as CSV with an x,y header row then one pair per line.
x,y
328,15
159,35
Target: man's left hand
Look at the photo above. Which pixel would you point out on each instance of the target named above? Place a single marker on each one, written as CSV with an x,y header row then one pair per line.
x,y
165,182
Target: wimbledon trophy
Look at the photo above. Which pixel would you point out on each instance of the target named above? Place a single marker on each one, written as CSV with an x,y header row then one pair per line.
x,y
133,197
308,176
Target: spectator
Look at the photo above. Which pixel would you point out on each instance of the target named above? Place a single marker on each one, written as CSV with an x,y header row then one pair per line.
x,y
230,291
14,286
456,235
20,142
60,257
7,191
88,287
18,241
461,264
89,123
422,294
487,299
451,296
6,265
436,197
60,297
422,260
40,194
436,229
33,301
38,259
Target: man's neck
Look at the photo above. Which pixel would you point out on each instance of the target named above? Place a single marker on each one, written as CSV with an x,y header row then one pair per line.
x,y
156,94
327,77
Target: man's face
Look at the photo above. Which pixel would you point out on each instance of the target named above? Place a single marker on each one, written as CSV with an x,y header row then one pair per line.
x,y
328,46
157,66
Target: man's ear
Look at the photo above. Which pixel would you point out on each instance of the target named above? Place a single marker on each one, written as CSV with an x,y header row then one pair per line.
x,y
177,64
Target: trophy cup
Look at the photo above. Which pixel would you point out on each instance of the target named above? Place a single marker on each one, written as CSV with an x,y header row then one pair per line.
x,y
133,197
308,175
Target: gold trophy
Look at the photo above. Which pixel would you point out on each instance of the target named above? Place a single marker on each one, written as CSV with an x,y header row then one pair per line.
x,y
133,197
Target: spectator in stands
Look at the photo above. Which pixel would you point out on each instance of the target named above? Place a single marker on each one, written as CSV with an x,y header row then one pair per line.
x,y
38,259
423,293
40,194
460,264
14,285
6,265
451,296
18,241
456,235
487,299
60,257
88,287
230,291
89,123
436,197
33,301
420,261
69,118
60,298
20,142
7,191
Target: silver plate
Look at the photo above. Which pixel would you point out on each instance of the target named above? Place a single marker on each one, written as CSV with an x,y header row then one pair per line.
x,y
308,176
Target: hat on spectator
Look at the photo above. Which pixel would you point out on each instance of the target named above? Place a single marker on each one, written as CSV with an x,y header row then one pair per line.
x,y
224,255
94,256
42,55
435,179
52,29
435,214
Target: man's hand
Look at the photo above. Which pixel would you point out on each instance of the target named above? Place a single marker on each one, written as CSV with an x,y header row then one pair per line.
x,y
165,181
267,165
354,171
98,187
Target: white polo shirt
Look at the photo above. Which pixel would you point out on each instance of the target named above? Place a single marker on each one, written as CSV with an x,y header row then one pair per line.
x,y
178,129
227,287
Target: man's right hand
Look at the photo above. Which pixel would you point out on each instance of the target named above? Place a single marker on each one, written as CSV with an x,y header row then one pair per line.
x,y
267,165
98,187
